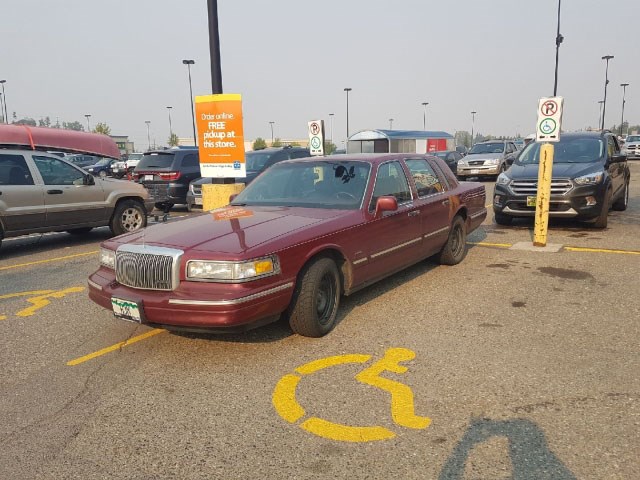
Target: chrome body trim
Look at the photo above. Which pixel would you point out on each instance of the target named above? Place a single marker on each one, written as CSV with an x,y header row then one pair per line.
x,y
436,232
397,247
236,301
148,267
531,213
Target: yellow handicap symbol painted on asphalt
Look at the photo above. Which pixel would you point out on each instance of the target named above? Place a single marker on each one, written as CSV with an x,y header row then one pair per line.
x,y
38,299
402,407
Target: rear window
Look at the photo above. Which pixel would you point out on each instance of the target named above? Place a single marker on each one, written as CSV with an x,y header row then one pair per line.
x,y
155,160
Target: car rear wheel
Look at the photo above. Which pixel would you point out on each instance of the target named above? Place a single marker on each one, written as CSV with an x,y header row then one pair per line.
x,y
102,173
314,307
128,216
603,218
80,231
455,249
620,205
502,219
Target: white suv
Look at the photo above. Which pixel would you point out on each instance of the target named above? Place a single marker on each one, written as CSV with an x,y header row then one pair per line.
x,y
632,146
120,169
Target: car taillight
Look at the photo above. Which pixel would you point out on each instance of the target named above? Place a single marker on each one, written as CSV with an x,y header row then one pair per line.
x,y
136,176
169,176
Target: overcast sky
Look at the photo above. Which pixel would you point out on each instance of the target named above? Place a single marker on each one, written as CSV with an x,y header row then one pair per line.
x,y
121,62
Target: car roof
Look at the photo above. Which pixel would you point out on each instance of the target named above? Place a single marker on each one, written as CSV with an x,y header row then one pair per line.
x,y
372,158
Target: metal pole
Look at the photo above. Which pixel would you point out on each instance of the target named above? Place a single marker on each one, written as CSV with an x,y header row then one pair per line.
x,y
606,82
2,109
391,124
148,122
4,96
347,90
271,124
331,123
214,47
88,126
600,114
624,91
424,116
559,39
473,121
188,63
170,129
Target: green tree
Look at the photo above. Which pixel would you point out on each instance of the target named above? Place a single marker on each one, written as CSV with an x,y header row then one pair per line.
x,y
73,126
329,147
44,122
25,121
173,140
277,143
259,144
102,128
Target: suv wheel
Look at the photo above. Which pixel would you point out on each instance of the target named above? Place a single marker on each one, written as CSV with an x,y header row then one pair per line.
x,y
620,205
602,219
103,173
128,216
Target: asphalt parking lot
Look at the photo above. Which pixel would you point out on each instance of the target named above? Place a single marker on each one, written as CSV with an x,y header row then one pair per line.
x,y
513,364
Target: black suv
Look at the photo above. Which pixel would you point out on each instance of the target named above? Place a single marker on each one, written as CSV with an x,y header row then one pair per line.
x,y
167,173
590,176
257,161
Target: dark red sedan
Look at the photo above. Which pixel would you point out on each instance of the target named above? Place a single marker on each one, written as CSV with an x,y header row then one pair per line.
x,y
298,237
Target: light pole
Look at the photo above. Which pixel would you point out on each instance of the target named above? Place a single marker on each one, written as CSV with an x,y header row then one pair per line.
x,y
624,91
331,124
271,124
2,109
424,115
606,82
4,96
148,122
170,128
88,115
559,39
473,122
188,63
391,124
348,90
600,114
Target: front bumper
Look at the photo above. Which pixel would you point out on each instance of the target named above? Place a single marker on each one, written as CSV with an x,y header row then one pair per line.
x,y
477,170
199,305
573,204
194,200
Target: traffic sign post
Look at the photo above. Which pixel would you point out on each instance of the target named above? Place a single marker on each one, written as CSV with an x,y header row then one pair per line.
x,y
316,137
548,130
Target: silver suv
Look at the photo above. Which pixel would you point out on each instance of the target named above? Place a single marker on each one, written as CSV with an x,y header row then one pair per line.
x,y
41,192
488,158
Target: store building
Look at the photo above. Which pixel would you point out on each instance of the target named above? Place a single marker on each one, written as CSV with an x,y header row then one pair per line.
x,y
400,141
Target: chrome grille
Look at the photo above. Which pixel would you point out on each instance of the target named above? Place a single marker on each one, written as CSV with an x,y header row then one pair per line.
x,y
530,187
148,267
475,163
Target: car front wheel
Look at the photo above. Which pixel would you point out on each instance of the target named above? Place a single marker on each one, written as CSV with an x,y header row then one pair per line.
x,y
316,299
102,174
128,216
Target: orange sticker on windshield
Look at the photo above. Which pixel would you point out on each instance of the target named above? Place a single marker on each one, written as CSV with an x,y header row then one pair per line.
x,y
231,213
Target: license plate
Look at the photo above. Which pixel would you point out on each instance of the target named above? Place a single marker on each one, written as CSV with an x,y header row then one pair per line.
x,y
475,171
198,201
148,177
531,201
126,310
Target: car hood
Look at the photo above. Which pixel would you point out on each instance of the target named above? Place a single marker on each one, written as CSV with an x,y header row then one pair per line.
x,y
482,156
560,170
257,231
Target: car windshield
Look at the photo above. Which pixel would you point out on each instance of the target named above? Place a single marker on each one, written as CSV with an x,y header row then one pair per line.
x,y
313,184
567,150
104,161
256,161
497,147
632,138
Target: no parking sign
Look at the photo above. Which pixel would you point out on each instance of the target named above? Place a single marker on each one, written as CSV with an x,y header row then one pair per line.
x,y
549,119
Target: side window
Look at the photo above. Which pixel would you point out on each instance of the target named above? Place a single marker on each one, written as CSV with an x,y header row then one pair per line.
x,y
14,170
392,181
614,146
425,177
190,160
56,172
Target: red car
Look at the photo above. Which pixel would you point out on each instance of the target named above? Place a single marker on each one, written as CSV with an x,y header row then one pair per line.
x,y
302,234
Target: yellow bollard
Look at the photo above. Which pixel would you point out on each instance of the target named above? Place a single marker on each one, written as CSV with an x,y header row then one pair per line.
x,y
216,195
543,195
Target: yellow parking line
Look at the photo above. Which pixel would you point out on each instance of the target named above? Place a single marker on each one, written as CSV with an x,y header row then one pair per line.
x,y
56,259
486,244
117,346
601,250
490,205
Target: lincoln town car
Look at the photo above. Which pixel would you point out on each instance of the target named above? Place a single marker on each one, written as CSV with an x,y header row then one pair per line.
x,y
291,244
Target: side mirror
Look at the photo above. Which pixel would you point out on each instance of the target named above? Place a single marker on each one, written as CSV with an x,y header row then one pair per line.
x,y
386,203
89,180
619,158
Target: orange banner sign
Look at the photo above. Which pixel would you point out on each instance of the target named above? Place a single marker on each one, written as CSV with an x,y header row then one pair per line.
x,y
230,213
220,135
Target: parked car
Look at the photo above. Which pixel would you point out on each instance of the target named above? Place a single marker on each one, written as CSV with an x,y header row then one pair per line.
x,y
102,168
121,168
302,234
256,162
487,158
590,176
450,158
462,150
41,192
632,146
82,161
167,174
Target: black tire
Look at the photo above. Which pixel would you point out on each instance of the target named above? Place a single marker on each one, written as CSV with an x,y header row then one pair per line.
x,y
455,249
602,219
80,231
316,299
128,216
620,205
102,174
502,219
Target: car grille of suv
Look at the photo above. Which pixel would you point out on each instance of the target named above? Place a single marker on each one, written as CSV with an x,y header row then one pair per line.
x,y
150,268
475,163
530,187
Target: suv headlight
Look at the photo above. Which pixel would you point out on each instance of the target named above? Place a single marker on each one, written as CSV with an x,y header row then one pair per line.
x,y
589,179
461,162
216,271
503,179
492,161
108,258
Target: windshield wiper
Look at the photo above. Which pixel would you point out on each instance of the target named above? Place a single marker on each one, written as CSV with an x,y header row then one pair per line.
x,y
234,204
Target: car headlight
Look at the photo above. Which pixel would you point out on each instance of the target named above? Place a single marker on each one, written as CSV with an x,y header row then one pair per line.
x,y
503,179
461,162
589,179
108,258
492,161
232,271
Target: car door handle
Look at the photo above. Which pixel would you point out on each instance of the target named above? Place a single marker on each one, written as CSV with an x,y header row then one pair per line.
x,y
55,192
414,213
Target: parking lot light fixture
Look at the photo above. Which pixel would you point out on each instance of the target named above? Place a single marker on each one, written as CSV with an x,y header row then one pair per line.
x,y
347,90
271,125
331,128
624,91
606,82
188,63
170,127
424,115
473,121
600,114
88,115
